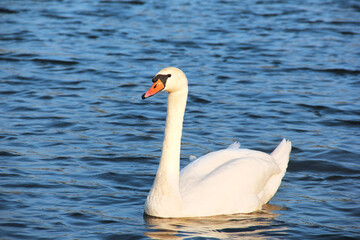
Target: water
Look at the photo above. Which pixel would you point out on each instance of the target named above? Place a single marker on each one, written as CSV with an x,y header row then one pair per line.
x,y
79,148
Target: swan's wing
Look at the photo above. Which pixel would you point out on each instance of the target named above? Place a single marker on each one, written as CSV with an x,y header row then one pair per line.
x,y
208,162
205,164
227,181
251,164
201,167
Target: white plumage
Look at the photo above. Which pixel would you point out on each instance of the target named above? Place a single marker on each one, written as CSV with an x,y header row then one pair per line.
x,y
227,181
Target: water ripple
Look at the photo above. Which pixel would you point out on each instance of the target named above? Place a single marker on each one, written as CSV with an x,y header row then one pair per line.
x,y
80,149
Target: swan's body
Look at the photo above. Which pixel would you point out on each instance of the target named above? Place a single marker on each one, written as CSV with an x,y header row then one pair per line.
x,y
227,181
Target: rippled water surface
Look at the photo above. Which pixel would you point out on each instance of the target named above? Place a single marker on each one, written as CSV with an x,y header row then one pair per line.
x,y
79,148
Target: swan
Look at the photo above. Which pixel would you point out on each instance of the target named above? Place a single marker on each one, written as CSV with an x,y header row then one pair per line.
x,y
228,181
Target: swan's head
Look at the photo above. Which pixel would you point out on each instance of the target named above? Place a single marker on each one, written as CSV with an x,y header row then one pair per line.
x,y
169,79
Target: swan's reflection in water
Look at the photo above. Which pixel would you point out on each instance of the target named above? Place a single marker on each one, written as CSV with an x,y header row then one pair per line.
x,y
235,226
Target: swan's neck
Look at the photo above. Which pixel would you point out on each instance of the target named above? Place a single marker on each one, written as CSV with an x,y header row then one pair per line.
x,y
165,190
170,158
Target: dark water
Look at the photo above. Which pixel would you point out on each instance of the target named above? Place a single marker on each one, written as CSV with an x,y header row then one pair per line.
x,y
79,148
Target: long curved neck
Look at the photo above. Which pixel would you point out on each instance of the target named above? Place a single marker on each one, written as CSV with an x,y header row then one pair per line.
x,y
170,158
165,191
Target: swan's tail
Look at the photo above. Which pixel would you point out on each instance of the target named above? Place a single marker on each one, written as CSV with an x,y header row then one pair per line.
x,y
281,155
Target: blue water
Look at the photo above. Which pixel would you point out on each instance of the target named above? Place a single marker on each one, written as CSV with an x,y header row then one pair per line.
x,y
79,148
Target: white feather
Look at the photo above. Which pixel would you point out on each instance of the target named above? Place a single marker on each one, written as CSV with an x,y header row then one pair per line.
x,y
227,181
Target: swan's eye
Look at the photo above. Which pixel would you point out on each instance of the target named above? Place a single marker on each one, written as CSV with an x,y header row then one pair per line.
x,y
169,75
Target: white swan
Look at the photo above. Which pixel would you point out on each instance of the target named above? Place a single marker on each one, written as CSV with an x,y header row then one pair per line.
x,y
227,181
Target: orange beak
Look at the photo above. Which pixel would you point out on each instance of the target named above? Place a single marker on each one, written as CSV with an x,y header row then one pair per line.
x,y
155,88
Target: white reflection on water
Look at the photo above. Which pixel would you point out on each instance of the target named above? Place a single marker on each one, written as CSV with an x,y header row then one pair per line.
x,y
249,226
